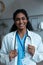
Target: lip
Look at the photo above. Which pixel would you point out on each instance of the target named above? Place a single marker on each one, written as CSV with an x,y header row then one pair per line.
x,y
21,25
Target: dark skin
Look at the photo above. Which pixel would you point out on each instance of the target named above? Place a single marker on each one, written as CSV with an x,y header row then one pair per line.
x,y
12,54
21,22
31,49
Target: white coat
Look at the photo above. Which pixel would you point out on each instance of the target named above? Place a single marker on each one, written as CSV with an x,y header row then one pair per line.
x,y
8,44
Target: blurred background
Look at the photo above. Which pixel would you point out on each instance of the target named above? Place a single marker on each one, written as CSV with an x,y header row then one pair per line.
x,y
34,9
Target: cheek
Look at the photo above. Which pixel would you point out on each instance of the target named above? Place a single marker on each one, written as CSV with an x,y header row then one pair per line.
x,y
17,24
26,22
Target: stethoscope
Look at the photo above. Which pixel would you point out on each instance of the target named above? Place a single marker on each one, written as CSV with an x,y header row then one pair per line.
x,y
27,36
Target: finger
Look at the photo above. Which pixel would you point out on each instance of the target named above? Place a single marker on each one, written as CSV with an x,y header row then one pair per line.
x,y
29,47
30,51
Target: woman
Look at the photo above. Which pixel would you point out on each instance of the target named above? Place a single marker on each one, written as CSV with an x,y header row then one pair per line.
x,y
22,46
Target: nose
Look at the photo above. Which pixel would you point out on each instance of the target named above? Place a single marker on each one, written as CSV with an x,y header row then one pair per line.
x,y
21,21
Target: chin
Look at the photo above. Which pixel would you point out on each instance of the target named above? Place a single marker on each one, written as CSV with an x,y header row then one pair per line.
x,y
21,28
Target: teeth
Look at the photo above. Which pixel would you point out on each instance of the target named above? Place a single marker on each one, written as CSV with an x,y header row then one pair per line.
x,y
22,25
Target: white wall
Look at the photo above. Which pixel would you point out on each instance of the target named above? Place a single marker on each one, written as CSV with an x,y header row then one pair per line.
x,y
33,7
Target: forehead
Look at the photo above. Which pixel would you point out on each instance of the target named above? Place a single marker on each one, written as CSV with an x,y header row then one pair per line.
x,y
19,15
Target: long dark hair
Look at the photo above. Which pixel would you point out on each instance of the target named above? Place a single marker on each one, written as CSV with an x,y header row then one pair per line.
x,y
14,27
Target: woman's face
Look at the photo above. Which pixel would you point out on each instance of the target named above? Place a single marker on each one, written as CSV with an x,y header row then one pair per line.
x,y
21,21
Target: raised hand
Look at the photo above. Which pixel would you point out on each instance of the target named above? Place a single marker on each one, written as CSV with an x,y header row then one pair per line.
x,y
12,54
31,49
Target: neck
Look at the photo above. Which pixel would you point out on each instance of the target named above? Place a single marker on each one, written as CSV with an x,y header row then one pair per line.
x,y
22,32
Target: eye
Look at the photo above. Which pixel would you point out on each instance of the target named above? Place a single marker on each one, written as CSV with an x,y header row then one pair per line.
x,y
17,19
23,18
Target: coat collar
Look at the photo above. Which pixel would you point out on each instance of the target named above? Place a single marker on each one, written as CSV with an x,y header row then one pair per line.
x,y
29,33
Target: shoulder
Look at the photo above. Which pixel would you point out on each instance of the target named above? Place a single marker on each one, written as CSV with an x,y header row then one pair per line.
x,y
9,35
34,35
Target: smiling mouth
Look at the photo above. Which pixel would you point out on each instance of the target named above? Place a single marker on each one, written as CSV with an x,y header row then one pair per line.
x,y
21,25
